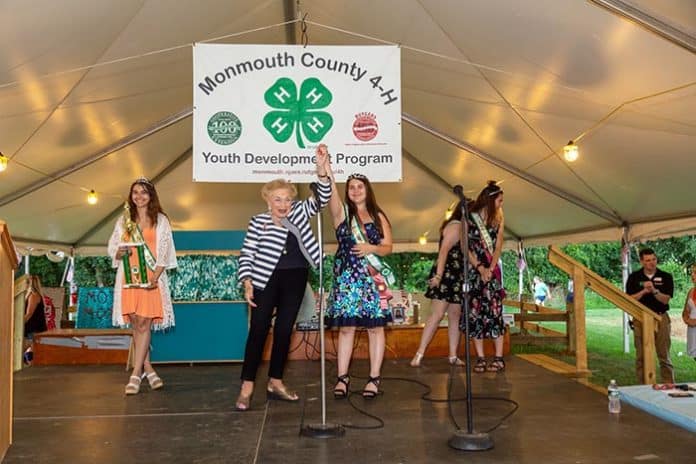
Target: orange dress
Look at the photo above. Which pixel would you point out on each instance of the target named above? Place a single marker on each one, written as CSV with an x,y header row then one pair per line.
x,y
139,301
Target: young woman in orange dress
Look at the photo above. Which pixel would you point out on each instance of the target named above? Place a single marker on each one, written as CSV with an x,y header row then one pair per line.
x,y
148,307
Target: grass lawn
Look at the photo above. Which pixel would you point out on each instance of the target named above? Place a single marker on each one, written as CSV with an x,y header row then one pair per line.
x,y
605,355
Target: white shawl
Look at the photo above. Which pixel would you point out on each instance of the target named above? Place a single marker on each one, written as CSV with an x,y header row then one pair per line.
x,y
166,257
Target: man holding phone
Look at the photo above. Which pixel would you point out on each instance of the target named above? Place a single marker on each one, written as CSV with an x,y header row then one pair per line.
x,y
654,288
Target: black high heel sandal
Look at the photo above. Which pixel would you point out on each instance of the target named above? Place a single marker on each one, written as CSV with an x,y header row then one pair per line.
x,y
480,365
339,393
369,394
497,365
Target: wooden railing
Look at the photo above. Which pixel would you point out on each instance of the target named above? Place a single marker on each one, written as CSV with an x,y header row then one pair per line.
x,y
528,321
584,277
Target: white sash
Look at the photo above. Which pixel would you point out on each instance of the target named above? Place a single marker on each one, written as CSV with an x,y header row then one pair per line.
x,y
374,260
487,240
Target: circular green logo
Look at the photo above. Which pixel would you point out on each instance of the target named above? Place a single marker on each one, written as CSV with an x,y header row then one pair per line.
x,y
224,128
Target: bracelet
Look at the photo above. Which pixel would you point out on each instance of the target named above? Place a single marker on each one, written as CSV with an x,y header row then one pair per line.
x,y
325,176
437,276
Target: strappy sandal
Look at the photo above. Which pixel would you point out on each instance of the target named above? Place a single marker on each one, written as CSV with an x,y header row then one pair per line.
x,y
370,394
154,380
340,393
281,393
417,358
455,361
243,402
497,365
133,386
480,366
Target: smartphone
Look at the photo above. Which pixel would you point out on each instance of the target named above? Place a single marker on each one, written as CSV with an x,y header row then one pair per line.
x,y
681,394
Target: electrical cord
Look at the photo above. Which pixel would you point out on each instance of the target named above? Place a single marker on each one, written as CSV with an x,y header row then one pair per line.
x,y
380,423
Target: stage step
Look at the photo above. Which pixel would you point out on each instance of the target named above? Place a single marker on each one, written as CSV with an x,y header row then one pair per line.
x,y
552,364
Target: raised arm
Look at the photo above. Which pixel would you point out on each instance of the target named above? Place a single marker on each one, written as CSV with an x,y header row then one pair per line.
x,y
324,186
335,203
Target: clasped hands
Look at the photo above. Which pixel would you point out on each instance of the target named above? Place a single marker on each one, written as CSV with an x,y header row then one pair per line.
x,y
486,273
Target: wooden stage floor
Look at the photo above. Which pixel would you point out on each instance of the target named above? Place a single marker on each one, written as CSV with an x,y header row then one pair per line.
x,y
78,414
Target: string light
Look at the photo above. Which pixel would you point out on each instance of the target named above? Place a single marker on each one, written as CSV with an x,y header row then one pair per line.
x,y
423,239
570,152
92,197
3,162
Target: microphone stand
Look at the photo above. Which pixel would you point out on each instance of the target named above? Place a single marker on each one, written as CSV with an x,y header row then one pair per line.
x,y
467,440
323,429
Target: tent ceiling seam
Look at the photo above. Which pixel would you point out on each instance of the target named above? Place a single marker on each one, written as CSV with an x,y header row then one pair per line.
x,y
70,91
169,168
648,22
609,216
122,143
423,167
534,131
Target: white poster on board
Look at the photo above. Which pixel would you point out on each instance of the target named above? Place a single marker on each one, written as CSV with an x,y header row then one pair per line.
x,y
261,110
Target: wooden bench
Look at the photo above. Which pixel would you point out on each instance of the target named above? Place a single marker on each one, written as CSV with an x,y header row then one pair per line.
x,y
75,346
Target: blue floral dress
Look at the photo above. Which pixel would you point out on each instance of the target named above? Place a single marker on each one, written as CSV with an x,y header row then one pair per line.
x,y
354,300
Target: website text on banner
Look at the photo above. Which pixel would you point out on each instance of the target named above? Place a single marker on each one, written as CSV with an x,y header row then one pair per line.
x,y
260,111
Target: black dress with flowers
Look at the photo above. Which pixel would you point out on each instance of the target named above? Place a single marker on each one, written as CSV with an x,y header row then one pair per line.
x,y
485,298
450,285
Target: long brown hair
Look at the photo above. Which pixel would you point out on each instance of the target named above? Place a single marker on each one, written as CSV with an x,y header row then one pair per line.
x,y
486,201
370,203
153,208
455,216
34,286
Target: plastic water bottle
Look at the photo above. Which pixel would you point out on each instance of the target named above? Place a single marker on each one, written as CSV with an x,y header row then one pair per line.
x,y
614,400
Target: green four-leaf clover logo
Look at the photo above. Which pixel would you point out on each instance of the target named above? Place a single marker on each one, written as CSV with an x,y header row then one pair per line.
x,y
298,115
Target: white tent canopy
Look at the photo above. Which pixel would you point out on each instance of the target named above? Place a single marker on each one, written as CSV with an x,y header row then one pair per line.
x,y
96,94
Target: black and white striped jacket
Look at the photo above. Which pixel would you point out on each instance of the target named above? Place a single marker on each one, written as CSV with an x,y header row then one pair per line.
x,y
264,241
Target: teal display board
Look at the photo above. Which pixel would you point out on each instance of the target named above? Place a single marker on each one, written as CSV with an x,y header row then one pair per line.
x,y
204,332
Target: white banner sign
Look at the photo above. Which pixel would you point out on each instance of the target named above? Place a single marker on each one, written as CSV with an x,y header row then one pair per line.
x,y
261,110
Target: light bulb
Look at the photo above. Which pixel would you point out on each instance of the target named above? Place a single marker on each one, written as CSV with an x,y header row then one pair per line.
x,y
422,240
92,198
3,162
571,152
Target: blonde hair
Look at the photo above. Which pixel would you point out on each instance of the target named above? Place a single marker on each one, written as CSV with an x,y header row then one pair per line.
x,y
34,286
277,184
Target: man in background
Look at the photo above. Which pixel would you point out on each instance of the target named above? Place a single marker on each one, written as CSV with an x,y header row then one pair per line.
x,y
654,288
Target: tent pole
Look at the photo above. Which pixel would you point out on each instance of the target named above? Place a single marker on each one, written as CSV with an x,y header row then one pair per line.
x,y
654,25
520,270
625,271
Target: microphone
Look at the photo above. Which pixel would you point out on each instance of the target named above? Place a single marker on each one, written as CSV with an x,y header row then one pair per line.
x,y
459,191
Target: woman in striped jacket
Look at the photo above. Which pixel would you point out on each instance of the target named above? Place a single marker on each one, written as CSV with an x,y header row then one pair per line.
x,y
273,265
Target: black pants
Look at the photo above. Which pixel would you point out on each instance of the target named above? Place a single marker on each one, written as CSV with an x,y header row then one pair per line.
x,y
283,292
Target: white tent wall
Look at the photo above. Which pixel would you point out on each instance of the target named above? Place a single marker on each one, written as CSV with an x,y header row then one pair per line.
x,y
511,80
